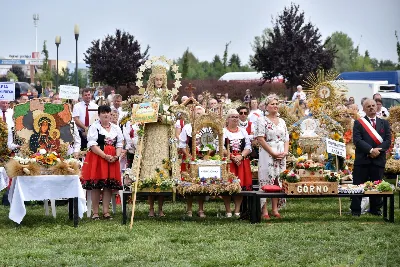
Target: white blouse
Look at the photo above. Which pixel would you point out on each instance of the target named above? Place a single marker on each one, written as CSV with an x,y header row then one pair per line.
x,y
130,143
234,139
96,128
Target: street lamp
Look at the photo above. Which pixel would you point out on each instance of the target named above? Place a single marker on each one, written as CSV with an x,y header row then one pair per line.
x,y
58,42
76,31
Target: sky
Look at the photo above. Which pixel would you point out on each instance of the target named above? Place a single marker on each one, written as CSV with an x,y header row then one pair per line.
x,y
169,27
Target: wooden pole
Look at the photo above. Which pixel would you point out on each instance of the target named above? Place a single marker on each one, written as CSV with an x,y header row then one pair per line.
x,y
137,173
340,200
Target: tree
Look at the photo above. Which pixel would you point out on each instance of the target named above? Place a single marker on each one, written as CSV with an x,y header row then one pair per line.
x,y
294,49
398,50
235,60
185,67
46,72
345,50
17,70
225,58
11,76
115,59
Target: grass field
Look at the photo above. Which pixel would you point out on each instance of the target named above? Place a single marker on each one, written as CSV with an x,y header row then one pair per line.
x,y
311,233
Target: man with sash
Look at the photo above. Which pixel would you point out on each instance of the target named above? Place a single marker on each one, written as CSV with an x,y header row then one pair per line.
x,y
371,137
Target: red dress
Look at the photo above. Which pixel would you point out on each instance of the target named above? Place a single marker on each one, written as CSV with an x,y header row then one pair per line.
x,y
97,173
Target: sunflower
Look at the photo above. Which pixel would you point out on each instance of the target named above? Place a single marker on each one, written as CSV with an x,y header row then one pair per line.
x,y
295,135
299,151
336,136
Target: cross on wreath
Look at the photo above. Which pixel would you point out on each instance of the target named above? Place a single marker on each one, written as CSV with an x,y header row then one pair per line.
x,y
190,89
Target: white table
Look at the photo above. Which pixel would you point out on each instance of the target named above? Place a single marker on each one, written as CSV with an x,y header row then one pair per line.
x,y
3,178
43,187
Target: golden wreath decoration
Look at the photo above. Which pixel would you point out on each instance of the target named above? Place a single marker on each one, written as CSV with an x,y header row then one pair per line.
x,y
149,63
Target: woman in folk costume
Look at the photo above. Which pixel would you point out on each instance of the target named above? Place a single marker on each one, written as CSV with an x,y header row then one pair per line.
x,y
237,139
273,137
101,169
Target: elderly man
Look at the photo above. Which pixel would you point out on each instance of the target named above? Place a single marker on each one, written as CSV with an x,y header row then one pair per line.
x,y
84,113
372,138
117,105
212,104
300,95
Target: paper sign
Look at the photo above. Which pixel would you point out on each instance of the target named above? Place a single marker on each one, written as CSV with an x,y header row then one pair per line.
x,y
336,148
145,112
69,92
7,91
209,171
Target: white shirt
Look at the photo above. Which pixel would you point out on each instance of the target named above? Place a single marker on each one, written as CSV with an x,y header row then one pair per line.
x,y
76,148
9,117
95,129
130,143
383,111
110,98
254,115
80,112
302,95
10,139
187,131
178,124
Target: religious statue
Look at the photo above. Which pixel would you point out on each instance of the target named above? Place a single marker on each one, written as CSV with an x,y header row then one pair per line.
x,y
157,84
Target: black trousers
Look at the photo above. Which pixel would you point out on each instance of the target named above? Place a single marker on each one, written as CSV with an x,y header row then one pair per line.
x,y
362,174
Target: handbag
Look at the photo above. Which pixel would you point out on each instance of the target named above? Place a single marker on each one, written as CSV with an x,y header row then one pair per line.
x,y
271,188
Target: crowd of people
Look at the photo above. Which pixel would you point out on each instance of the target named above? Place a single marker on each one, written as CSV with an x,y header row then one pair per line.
x,y
254,130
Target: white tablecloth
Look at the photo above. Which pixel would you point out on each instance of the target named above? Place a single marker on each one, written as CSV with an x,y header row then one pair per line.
x,y
3,178
26,188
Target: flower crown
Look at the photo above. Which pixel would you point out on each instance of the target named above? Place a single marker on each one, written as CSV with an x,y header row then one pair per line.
x,y
158,69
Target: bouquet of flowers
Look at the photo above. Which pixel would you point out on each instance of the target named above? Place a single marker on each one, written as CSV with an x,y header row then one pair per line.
x,y
289,176
380,186
332,177
309,165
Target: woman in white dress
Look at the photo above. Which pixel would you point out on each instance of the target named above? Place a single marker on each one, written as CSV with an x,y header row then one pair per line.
x,y
273,137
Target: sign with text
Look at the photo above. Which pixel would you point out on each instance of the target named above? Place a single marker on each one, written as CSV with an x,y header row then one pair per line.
x,y
336,148
209,171
69,92
7,91
145,112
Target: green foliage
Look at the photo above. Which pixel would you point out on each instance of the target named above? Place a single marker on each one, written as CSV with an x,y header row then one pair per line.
x,y
68,78
21,110
11,76
225,57
53,108
398,50
294,49
46,74
185,67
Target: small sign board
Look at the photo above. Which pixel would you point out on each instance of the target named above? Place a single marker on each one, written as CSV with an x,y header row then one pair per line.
x,y
69,92
7,91
145,112
336,148
209,171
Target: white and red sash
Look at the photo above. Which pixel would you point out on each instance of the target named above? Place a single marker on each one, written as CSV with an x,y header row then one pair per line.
x,y
371,131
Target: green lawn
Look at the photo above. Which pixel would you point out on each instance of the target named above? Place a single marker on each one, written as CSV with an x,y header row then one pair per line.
x,y
311,233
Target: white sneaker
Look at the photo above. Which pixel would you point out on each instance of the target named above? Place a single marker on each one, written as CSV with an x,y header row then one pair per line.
x,y
228,214
237,214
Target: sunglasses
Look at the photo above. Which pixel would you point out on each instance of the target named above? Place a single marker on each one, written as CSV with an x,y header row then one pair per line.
x,y
234,117
243,113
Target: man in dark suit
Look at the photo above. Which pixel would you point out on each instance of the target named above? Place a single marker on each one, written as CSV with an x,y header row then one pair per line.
x,y
371,136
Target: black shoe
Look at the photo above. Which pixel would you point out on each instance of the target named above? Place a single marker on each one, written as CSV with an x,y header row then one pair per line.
x,y
356,214
375,213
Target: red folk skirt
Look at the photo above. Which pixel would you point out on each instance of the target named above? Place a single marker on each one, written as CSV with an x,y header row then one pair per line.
x,y
97,173
243,172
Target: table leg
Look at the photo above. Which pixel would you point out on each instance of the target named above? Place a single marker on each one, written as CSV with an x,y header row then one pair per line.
x,y
76,216
391,210
384,199
257,207
71,208
124,200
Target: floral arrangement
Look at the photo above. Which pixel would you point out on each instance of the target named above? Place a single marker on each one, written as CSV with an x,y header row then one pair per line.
x,y
309,165
213,186
254,165
4,151
289,176
380,186
45,158
392,166
332,177
348,136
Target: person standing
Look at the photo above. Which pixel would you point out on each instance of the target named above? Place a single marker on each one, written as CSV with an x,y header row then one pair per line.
x,y
299,94
39,88
255,112
381,111
117,101
84,113
247,98
273,138
372,138
110,97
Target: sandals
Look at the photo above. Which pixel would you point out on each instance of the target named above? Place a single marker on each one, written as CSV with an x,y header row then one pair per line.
x,y
189,214
266,217
228,215
95,217
277,215
107,216
161,214
151,213
201,214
